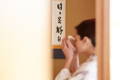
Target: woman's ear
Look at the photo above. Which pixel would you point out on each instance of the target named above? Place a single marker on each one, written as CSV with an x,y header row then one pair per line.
x,y
85,39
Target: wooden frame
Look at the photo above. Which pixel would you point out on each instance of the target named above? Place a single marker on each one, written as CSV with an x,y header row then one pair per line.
x,y
102,31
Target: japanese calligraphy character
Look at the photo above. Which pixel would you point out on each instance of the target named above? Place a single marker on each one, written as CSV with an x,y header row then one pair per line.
x,y
59,6
59,20
59,30
59,38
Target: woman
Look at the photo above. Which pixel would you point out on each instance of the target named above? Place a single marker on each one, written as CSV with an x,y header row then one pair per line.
x,y
84,43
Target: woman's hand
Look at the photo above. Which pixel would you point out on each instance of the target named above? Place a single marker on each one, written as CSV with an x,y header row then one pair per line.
x,y
68,50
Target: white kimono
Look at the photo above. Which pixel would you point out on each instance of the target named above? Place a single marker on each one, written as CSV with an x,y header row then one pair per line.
x,y
87,71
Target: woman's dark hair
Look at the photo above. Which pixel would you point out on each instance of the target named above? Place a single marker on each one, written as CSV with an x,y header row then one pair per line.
x,y
87,29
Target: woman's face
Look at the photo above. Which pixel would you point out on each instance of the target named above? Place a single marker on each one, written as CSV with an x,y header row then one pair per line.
x,y
83,45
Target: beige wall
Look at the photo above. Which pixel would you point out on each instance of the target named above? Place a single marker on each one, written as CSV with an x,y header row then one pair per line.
x,y
76,11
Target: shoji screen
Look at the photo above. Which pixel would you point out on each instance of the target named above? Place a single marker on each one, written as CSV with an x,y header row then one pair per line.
x,y
25,40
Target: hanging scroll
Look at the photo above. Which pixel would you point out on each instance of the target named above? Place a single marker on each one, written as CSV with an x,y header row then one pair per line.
x,y
58,22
